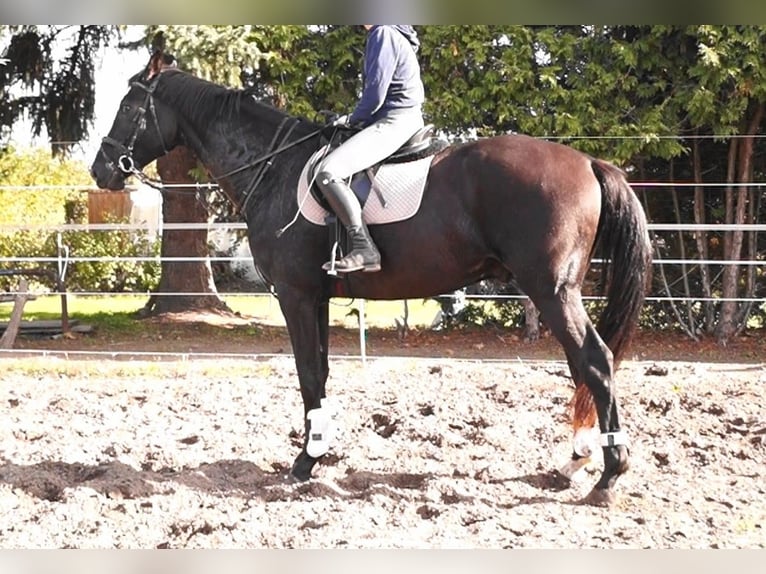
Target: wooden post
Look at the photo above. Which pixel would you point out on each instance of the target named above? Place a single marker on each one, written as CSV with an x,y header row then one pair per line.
x,y
9,337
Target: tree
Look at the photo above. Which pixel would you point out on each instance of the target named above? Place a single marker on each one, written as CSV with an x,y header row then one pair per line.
x,y
193,280
187,285
712,96
48,76
731,99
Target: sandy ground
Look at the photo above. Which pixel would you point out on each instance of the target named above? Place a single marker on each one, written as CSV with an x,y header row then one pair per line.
x,y
431,454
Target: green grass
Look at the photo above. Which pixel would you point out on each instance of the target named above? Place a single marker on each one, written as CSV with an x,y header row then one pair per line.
x,y
118,312
108,313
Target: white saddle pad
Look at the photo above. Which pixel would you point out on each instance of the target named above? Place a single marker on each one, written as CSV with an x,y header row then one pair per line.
x,y
400,184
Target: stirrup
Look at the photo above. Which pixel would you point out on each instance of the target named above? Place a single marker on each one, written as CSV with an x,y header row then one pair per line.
x,y
337,265
331,268
330,265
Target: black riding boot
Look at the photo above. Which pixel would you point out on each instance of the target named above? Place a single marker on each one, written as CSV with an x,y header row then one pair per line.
x,y
363,255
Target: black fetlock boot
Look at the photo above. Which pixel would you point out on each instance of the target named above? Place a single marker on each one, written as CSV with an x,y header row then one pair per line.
x,y
363,255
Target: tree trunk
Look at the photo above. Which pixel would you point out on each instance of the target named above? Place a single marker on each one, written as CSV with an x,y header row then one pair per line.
x,y
192,279
751,254
701,238
730,320
725,326
9,336
691,322
663,277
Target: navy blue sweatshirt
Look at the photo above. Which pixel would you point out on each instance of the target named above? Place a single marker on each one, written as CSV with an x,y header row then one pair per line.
x,y
391,73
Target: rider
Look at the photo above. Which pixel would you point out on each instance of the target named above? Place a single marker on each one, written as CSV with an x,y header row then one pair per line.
x,y
390,112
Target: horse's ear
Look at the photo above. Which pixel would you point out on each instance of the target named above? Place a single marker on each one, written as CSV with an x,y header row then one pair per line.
x,y
158,50
158,42
158,62
155,65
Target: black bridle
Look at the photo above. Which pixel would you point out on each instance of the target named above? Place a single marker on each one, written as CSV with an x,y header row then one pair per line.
x,y
125,161
127,165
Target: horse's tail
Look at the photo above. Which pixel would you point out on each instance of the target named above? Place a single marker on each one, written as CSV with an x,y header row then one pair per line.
x,y
623,241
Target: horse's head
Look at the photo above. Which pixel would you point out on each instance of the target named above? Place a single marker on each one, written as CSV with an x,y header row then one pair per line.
x,y
143,129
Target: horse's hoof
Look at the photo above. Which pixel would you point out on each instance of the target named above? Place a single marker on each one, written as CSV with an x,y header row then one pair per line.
x,y
301,470
602,497
290,478
573,468
558,481
294,477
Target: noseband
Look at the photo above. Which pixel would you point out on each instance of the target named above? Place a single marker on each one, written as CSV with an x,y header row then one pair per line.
x,y
125,161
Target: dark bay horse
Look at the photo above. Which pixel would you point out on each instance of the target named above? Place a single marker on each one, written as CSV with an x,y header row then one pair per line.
x,y
502,207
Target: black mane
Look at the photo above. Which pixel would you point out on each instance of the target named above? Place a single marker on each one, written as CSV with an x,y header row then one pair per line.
x,y
212,103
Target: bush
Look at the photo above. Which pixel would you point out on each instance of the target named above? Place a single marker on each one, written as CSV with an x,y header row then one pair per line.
x,y
105,276
111,275
24,244
31,168
53,206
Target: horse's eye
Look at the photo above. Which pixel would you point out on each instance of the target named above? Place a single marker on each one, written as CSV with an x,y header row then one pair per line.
x,y
126,108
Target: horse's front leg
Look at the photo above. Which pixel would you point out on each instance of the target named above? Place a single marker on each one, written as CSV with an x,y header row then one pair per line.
x,y
308,325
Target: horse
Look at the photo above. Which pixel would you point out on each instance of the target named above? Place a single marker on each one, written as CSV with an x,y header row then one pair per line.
x,y
503,207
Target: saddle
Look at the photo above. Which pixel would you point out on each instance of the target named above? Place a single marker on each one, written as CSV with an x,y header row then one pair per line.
x,y
420,145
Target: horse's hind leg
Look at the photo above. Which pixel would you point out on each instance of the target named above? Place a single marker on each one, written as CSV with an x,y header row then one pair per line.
x,y
583,425
591,361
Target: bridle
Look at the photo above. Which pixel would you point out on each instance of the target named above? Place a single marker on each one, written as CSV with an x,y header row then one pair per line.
x,y
125,161
279,143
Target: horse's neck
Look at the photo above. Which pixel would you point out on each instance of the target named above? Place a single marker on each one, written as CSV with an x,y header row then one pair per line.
x,y
228,144
232,149
233,143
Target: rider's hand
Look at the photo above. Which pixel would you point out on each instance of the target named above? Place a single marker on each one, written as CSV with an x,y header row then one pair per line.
x,y
340,120
331,118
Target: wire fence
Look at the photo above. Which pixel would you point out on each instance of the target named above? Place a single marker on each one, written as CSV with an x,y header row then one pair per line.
x,y
156,228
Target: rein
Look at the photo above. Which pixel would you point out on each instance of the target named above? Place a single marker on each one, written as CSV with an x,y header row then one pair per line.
x,y
268,159
276,146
